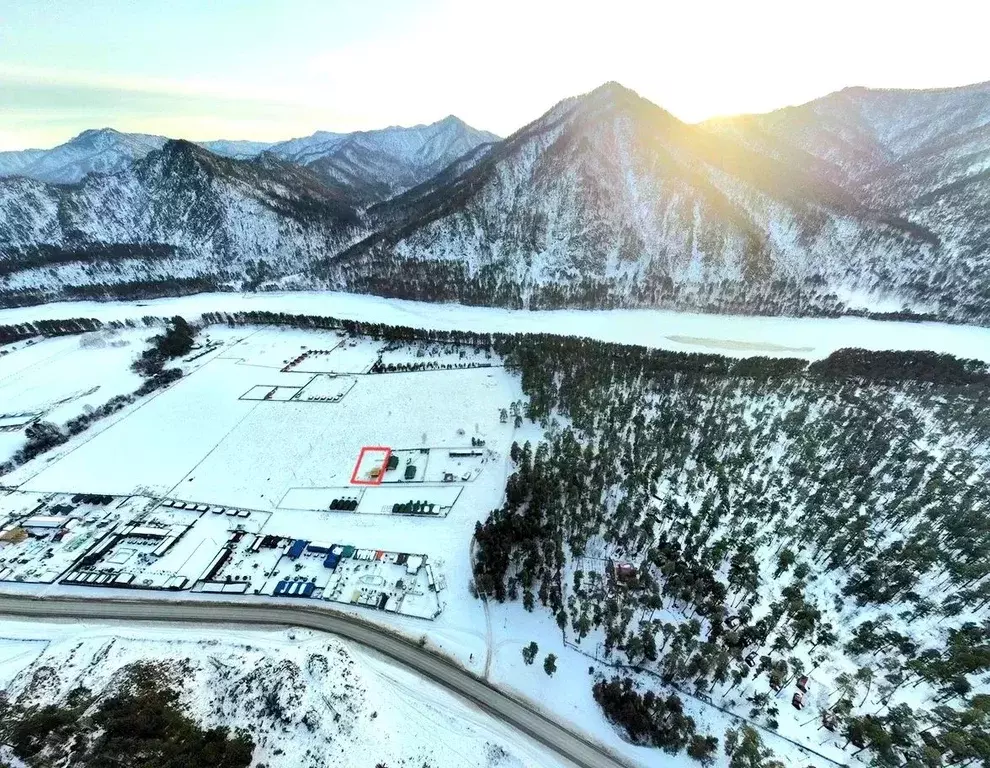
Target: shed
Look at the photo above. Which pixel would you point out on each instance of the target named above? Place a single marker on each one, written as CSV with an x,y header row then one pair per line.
x,y
410,471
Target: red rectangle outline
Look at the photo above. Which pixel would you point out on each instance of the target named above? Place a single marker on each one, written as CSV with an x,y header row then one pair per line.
x,y
381,476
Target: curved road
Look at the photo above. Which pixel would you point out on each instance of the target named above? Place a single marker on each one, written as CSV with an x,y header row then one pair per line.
x,y
564,742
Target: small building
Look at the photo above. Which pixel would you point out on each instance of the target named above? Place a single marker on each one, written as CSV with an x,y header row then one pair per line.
x,y
798,701
296,549
624,574
410,472
802,683
45,521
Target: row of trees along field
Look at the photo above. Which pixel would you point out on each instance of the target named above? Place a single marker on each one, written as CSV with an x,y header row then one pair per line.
x,y
784,519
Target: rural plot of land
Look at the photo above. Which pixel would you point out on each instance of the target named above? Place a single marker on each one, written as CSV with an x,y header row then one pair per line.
x,y
154,445
327,389
293,445
269,392
60,378
352,356
198,440
276,347
376,500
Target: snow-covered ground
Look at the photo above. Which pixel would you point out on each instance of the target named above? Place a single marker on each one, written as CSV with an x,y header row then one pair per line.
x,y
306,699
199,441
730,335
59,378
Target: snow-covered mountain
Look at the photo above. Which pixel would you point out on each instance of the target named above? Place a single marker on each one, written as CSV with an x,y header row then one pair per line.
x,y
180,212
375,164
380,164
607,199
862,199
94,151
238,149
923,156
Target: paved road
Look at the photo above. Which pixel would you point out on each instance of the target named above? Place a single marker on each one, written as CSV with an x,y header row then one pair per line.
x,y
565,743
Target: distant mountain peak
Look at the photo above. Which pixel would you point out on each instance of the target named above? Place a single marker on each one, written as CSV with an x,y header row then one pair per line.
x,y
613,90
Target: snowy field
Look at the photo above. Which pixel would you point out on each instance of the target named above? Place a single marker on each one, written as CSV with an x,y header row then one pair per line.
x,y
294,691
57,379
730,335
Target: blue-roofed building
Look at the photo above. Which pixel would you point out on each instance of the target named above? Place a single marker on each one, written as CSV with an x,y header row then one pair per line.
x,y
296,549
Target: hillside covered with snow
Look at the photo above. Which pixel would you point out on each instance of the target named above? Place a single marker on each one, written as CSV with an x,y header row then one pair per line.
x,y
304,699
863,200
610,200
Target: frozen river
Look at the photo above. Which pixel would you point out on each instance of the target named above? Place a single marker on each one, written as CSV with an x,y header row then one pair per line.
x,y
726,334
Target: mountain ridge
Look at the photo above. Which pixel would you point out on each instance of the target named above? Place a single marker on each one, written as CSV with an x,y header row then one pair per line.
x,y
860,199
106,150
608,199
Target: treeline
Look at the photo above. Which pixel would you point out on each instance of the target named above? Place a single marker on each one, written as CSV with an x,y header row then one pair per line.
x,y
882,365
656,721
71,326
144,724
17,259
126,290
523,350
67,327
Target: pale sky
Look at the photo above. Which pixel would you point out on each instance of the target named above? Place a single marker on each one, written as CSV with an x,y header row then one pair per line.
x,y
269,70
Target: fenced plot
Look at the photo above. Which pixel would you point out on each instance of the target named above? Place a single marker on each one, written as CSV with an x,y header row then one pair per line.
x,y
371,465
324,388
271,392
322,499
